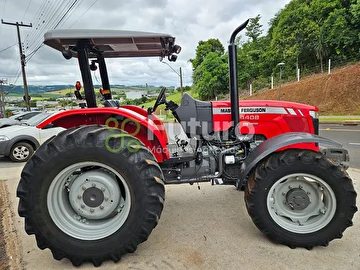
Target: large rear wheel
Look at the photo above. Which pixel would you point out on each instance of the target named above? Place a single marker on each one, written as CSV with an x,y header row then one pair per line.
x,y
300,198
91,194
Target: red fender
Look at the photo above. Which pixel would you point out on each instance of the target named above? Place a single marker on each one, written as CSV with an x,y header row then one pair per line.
x,y
153,117
151,131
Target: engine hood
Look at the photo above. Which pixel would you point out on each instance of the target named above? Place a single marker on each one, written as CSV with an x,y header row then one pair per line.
x,y
266,103
13,131
7,121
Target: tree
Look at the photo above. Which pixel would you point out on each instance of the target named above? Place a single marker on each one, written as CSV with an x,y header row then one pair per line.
x,y
2,103
205,47
211,76
303,35
321,49
312,30
251,54
341,37
186,88
253,29
2,98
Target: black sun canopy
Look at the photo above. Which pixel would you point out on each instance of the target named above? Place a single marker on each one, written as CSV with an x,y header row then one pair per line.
x,y
112,43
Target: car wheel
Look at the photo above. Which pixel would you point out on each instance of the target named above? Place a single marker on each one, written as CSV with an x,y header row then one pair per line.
x,y
21,152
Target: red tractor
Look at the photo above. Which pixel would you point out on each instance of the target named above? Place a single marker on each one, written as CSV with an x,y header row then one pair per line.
x,y
96,191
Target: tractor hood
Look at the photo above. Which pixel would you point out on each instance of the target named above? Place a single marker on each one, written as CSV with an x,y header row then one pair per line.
x,y
273,115
265,104
268,115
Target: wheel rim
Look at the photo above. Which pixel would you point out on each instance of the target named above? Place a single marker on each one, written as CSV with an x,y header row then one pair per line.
x,y
89,200
301,203
21,152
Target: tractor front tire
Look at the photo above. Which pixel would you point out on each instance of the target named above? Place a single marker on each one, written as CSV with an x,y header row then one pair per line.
x,y
91,194
300,198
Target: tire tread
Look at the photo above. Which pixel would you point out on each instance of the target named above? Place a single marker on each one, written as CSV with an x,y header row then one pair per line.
x,y
151,174
276,161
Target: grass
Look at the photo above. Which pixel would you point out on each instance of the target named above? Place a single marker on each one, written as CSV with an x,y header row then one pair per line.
x,y
174,97
166,116
61,92
44,95
330,119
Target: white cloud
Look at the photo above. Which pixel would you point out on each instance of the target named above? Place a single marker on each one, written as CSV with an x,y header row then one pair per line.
x,y
188,20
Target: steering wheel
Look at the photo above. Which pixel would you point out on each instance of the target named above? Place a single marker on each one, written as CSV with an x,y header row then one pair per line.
x,y
161,99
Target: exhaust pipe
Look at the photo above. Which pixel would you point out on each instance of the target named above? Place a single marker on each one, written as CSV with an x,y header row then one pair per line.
x,y
234,96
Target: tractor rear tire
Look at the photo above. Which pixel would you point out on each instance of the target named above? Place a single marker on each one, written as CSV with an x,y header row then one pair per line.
x,y
91,194
300,198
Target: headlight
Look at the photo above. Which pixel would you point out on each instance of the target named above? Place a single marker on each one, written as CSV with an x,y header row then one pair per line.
x,y
314,114
3,138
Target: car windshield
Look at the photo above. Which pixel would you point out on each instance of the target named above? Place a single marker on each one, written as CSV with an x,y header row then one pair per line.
x,y
15,115
23,114
37,119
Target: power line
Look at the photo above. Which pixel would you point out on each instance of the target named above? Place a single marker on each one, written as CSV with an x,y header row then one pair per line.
x,y
27,8
17,76
83,13
34,18
66,13
42,22
58,21
71,12
3,50
2,16
35,40
55,17
31,55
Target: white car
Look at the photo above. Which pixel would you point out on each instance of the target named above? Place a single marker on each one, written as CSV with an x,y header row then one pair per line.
x,y
20,141
17,119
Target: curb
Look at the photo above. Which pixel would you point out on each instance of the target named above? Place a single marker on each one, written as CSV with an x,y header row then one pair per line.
x,y
330,122
351,122
354,169
343,123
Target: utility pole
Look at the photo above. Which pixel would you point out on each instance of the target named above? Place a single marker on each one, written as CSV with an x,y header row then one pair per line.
x,y
2,98
179,74
181,83
22,59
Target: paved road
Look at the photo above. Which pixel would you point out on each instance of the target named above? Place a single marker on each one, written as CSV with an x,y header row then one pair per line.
x,y
200,229
349,136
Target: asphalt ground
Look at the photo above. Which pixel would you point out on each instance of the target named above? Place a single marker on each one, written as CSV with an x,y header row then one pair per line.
x,y
201,227
349,136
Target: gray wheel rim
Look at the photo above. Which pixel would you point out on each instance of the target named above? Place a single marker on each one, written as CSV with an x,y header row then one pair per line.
x,y
89,205
21,152
301,203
